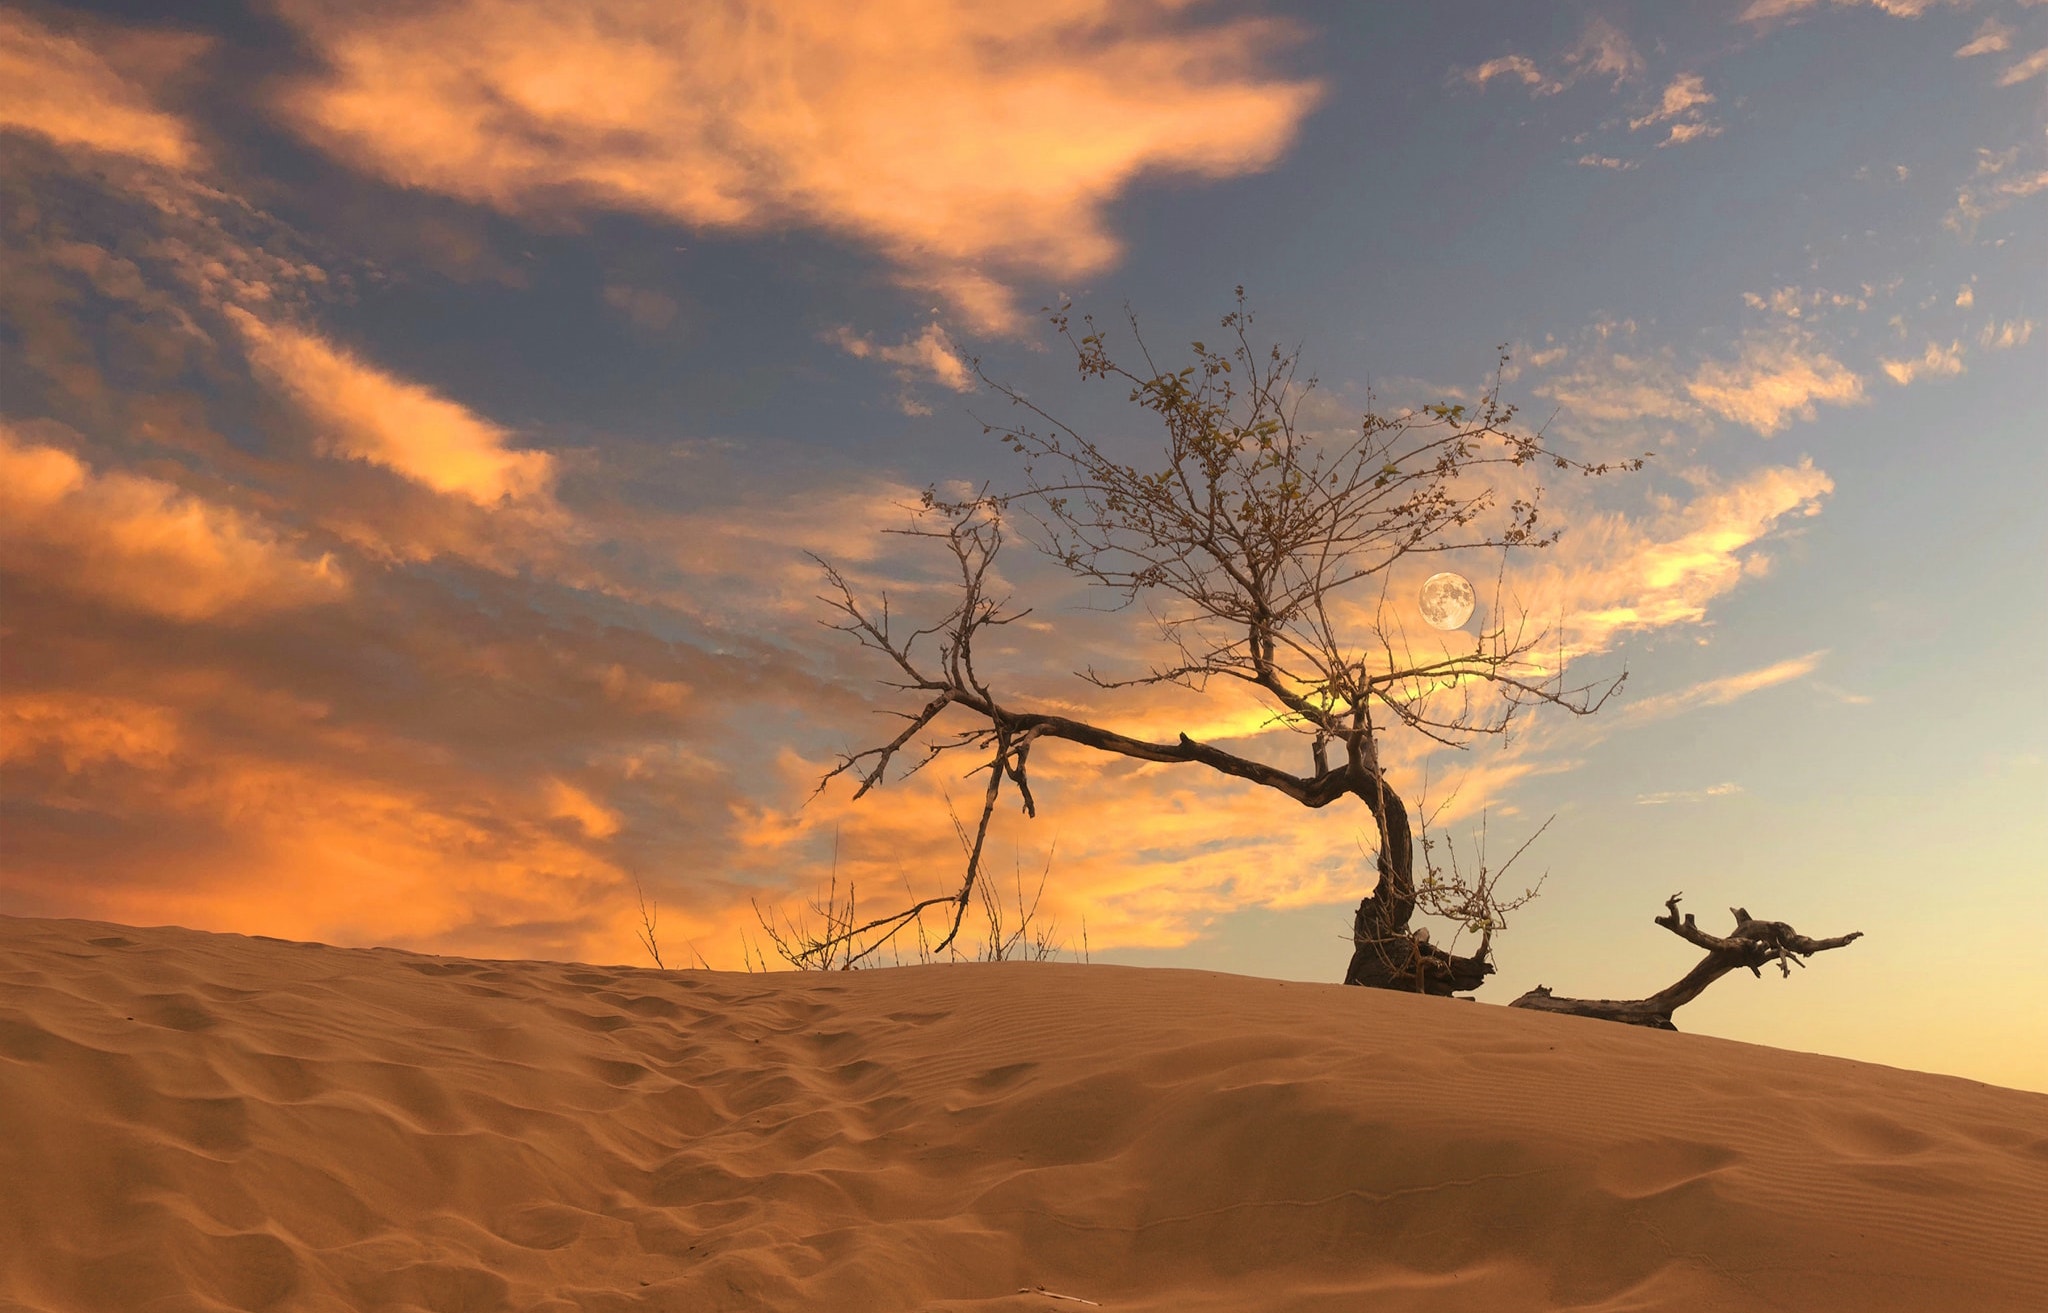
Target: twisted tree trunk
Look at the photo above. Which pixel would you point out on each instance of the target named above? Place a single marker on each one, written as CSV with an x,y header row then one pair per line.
x,y
1754,944
1385,953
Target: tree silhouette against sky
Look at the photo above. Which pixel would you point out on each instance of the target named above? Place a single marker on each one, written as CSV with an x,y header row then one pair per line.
x,y
1265,551
1270,545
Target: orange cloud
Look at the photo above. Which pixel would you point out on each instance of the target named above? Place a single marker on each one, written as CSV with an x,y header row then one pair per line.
x,y
1606,384
1772,382
86,732
1764,11
1687,92
738,560
490,799
1992,188
931,354
64,89
1684,132
1601,48
970,143
1799,302
1991,37
568,802
371,856
1613,574
370,415
1519,67
1937,361
2002,337
2026,69
144,544
1147,854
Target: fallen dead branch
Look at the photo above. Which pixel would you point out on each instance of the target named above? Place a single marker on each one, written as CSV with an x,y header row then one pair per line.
x,y
1754,944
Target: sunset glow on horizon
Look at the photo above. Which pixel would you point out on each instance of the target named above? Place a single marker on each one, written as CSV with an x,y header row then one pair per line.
x,y
417,423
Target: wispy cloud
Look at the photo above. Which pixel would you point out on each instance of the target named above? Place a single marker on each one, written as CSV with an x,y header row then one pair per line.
x,y
1772,381
1683,108
1602,50
1776,375
1722,790
2026,69
931,356
1726,689
1936,362
1764,11
63,87
1840,694
1810,302
646,307
1604,383
969,144
1519,68
1685,95
1607,162
2000,179
1992,36
1666,570
370,415
1681,133
2003,336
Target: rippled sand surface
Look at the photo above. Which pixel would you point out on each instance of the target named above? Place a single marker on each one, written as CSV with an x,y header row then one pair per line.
x,y
193,1121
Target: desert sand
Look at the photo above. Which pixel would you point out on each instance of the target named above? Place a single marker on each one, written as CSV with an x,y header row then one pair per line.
x,y
193,1121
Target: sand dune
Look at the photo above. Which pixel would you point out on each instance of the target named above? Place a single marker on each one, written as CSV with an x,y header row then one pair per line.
x,y
192,1121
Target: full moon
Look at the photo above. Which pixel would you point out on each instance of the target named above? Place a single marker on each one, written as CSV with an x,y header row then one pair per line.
x,y
1447,600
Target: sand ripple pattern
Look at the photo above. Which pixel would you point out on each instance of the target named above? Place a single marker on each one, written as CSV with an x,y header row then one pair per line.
x,y
193,1123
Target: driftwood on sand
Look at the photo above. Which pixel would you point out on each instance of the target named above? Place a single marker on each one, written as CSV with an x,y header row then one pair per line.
x,y
1753,944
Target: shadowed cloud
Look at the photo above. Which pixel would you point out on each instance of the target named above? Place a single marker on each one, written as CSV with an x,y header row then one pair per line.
x,y
91,89
144,544
969,144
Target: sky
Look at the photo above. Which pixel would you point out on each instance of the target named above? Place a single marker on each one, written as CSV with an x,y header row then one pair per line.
x,y
417,423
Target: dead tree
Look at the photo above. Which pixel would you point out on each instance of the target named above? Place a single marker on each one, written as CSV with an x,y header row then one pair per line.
x,y
1754,944
1255,532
